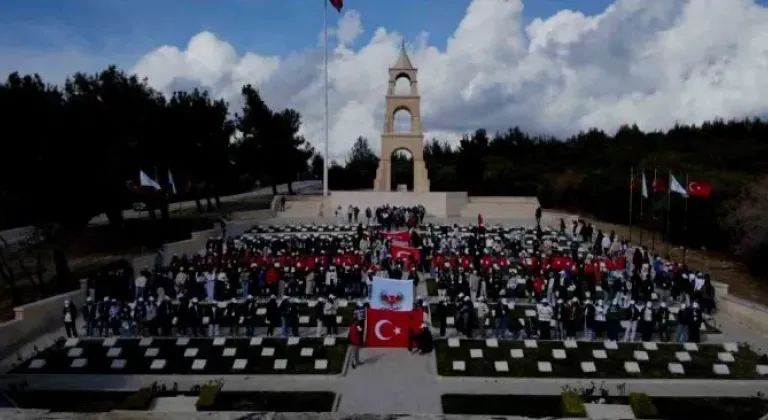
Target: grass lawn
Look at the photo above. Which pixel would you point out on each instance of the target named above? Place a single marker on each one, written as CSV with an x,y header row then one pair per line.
x,y
69,401
700,366
311,402
431,287
710,408
721,267
523,311
179,361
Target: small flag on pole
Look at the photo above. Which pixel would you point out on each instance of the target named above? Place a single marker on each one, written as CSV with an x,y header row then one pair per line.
x,y
674,186
172,182
146,181
337,4
644,186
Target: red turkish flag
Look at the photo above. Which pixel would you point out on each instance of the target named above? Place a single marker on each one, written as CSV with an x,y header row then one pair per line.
x,y
401,236
658,184
337,4
386,328
405,252
699,189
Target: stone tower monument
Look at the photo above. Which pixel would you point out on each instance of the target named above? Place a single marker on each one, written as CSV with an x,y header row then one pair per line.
x,y
412,141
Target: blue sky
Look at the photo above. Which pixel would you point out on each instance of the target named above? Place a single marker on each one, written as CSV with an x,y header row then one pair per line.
x,y
268,26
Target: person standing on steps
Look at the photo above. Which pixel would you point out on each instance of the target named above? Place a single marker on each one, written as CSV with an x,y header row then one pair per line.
x,y
538,216
356,339
70,316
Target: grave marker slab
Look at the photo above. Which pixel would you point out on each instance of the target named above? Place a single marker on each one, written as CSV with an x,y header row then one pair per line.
x,y
721,369
570,344
545,367
280,364
650,346
240,364
182,341
599,354
109,341
588,367
303,320
450,321
329,341
492,343
610,345
190,352
516,353
343,303
256,341
219,341
292,341
79,363
454,343
731,347
762,370
476,353
459,365
39,363
641,355
683,356
530,313
145,342
531,344
75,352
199,364
114,352
152,352
558,354
321,364
261,311
676,369
229,352
339,319
71,342
725,357
157,364
307,352
631,367
118,364
501,366
690,347
267,352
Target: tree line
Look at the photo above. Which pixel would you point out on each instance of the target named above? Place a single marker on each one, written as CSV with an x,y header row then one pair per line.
x,y
590,173
74,151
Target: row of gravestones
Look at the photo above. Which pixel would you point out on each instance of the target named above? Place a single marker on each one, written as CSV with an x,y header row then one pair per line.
x,y
632,367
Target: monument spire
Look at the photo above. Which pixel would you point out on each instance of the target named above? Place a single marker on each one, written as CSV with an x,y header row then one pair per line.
x,y
403,62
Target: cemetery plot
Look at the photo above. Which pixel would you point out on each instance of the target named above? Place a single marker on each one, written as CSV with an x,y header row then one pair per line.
x,y
307,314
581,359
524,312
266,401
531,406
184,355
69,401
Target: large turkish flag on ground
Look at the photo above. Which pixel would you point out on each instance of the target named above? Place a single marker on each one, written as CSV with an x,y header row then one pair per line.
x,y
399,252
401,236
391,328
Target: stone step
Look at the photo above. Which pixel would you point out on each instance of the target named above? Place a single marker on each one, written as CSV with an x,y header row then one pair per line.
x,y
300,209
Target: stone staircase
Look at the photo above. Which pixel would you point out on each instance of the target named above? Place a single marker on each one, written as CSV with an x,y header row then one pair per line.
x,y
302,207
518,208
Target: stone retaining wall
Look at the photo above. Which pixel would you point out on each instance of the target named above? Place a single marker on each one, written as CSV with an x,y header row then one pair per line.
x,y
10,414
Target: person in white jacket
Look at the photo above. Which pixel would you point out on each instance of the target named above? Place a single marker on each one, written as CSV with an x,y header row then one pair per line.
x,y
544,316
481,308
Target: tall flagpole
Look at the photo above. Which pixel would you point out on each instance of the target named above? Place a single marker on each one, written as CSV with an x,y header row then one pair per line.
x,y
669,212
326,162
653,209
631,193
685,220
643,187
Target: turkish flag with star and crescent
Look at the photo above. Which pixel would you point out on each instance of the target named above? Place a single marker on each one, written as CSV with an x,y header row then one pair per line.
x,y
699,189
400,252
403,236
391,328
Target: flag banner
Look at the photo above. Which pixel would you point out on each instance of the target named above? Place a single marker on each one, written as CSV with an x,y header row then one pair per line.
x,y
172,182
391,328
391,294
337,4
480,220
644,186
405,252
675,186
699,189
146,181
658,185
401,236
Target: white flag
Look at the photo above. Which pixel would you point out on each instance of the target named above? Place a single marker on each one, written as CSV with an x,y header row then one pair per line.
x,y
146,181
675,186
172,182
644,187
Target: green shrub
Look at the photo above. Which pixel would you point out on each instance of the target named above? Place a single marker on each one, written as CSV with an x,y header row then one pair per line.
x,y
642,405
141,400
573,405
207,399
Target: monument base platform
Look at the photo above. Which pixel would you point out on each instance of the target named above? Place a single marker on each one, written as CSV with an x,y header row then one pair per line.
x,y
437,204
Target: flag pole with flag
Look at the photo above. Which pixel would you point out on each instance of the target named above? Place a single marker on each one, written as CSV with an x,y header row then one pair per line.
x,y
653,212
685,219
146,181
674,186
631,193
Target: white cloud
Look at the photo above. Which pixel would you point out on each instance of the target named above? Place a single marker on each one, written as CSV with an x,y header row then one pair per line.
x,y
650,62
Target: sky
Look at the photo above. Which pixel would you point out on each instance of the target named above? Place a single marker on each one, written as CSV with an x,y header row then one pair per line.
x,y
549,66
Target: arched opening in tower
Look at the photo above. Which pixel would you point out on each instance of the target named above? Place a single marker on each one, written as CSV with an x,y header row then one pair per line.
x,y
402,86
402,170
403,121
